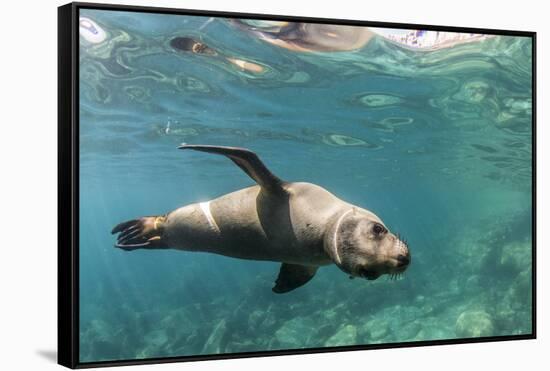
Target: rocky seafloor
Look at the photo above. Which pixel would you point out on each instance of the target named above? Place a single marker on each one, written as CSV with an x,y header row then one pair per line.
x,y
474,285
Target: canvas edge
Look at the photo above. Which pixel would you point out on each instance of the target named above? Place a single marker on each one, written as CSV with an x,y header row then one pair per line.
x,y
67,227
68,305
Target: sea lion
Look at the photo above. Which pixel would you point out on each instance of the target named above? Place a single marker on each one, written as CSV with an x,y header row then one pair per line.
x,y
301,225
307,37
188,44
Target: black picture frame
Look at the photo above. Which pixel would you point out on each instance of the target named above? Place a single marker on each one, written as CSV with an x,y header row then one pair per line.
x,y
68,183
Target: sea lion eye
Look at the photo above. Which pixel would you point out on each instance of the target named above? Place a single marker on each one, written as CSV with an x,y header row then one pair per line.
x,y
378,229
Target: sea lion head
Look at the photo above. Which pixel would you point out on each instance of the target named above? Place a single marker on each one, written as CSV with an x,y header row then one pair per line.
x,y
361,245
188,44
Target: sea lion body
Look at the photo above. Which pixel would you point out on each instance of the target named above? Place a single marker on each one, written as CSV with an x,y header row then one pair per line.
x,y
247,224
299,224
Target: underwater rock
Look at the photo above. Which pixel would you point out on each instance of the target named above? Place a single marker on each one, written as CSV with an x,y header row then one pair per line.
x,y
406,313
377,330
269,322
256,318
245,346
408,331
194,341
347,335
433,327
327,330
99,327
474,323
523,285
294,333
516,256
102,344
520,291
475,254
156,339
331,315
178,323
393,323
214,343
473,284
103,349
513,310
433,332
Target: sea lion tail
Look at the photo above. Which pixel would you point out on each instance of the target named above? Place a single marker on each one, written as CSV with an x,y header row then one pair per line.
x,y
142,233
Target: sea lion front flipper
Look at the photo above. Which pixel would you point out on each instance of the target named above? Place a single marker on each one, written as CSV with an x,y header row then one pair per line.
x,y
292,276
248,161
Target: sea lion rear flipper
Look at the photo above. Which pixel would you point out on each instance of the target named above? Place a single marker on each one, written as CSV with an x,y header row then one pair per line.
x,y
248,161
292,276
142,233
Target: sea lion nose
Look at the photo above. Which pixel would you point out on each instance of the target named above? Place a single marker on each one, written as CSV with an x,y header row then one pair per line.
x,y
403,260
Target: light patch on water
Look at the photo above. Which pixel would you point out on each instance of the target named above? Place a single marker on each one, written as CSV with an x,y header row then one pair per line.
x,y
345,140
379,100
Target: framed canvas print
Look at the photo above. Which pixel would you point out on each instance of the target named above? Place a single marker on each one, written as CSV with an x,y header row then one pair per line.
x,y
235,185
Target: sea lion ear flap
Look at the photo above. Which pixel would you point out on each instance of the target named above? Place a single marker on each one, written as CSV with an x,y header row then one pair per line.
x,y
292,276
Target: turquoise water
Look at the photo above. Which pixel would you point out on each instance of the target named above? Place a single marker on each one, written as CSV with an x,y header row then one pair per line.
x,y
438,144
